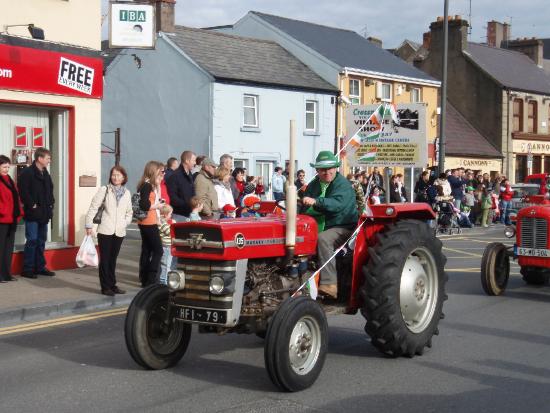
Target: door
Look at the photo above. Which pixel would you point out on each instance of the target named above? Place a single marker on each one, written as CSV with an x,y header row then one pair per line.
x,y
265,170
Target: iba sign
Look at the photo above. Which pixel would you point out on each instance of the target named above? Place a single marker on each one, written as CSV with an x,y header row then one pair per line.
x,y
132,26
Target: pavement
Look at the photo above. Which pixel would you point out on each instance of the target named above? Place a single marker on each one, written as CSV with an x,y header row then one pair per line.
x,y
70,291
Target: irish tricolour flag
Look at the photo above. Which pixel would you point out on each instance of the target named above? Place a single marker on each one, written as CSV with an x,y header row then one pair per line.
x,y
370,155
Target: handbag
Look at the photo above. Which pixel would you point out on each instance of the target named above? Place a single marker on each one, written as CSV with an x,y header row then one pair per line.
x,y
99,213
137,213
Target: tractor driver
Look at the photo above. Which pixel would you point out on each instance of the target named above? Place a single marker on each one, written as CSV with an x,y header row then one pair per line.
x,y
330,199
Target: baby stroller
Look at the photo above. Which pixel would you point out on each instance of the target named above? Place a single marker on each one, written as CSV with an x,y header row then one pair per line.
x,y
447,219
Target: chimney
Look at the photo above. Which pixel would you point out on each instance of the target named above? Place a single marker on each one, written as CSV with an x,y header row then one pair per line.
x,y
165,16
426,40
497,33
458,35
375,41
531,47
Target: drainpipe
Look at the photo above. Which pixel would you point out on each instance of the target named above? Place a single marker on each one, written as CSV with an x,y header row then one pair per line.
x,y
508,137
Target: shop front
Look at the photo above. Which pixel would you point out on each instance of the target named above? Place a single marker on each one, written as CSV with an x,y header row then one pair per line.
x,y
529,149
50,96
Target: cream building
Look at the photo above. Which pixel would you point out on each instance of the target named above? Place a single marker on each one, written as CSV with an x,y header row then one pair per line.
x,y
50,95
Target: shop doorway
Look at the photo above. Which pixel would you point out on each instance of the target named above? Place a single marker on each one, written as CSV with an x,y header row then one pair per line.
x,y
23,129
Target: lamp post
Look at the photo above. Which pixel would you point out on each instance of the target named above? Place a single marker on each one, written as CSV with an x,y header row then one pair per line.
x,y
441,164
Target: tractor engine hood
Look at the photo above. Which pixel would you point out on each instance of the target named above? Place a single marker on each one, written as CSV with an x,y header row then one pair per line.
x,y
240,238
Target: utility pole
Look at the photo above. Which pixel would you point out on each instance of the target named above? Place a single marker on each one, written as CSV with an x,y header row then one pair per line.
x,y
117,146
441,166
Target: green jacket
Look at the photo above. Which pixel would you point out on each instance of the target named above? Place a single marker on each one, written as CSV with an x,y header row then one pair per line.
x,y
339,204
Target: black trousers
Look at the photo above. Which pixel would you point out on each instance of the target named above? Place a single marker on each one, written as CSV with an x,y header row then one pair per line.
x,y
151,254
7,239
109,247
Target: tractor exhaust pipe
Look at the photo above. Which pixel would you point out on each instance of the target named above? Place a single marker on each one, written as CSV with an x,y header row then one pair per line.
x,y
291,198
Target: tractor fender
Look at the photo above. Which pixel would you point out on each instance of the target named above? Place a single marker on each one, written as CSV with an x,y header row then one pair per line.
x,y
414,210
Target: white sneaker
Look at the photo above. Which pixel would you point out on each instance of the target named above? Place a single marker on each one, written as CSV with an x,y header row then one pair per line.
x,y
485,226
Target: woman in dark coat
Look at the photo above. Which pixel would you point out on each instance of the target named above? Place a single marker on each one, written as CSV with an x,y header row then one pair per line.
x,y
421,187
10,212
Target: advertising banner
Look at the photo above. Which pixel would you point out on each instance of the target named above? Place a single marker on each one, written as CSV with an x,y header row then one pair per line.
x,y
387,135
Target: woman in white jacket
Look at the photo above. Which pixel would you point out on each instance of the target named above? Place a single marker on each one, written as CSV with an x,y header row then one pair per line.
x,y
223,188
116,216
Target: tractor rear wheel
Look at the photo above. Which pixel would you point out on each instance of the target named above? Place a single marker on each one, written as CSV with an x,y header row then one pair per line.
x,y
534,276
296,344
495,268
151,341
404,288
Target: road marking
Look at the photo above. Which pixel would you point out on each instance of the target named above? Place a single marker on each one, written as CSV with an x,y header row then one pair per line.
x,y
473,269
462,252
61,321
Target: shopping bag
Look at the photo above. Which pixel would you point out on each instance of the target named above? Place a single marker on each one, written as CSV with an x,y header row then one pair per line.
x,y
87,254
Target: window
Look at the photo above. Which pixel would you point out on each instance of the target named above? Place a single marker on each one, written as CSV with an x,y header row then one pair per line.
x,y
415,95
537,164
518,116
239,163
354,92
521,168
383,91
532,116
311,115
250,111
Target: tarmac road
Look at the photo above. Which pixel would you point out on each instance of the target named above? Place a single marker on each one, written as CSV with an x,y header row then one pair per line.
x,y
493,355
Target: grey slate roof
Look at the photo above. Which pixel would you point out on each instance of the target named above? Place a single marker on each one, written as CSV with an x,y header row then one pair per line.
x,y
108,54
511,69
345,48
462,139
244,60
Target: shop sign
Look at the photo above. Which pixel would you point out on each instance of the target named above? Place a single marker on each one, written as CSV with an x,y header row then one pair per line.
x,y
400,142
132,25
473,163
521,146
44,71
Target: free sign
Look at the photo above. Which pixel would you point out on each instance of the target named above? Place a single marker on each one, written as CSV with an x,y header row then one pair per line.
x,y
75,76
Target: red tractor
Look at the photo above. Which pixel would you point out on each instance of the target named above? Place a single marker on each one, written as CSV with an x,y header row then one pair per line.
x,y
246,275
531,249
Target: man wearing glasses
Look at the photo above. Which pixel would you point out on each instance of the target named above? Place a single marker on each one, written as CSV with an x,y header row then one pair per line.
x,y
330,199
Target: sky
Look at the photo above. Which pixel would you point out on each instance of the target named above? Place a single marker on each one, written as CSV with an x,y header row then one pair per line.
x,y
392,22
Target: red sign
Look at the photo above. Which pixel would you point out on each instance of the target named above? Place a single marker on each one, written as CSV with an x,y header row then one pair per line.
x,y
35,70
20,136
37,137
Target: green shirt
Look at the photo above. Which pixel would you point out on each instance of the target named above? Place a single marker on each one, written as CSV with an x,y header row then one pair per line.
x,y
319,217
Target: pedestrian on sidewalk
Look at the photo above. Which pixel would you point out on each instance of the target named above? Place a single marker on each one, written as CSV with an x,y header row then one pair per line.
x,y
180,186
36,191
278,184
166,238
506,194
10,212
150,201
486,205
205,189
116,216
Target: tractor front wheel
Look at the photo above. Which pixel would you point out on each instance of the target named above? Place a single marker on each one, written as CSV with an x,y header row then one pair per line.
x,y
404,288
154,340
296,344
495,268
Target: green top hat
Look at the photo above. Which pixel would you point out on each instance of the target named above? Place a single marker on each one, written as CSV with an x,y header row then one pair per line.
x,y
325,160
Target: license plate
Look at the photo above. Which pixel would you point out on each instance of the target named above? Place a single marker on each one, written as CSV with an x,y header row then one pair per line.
x,y
533,252
202,315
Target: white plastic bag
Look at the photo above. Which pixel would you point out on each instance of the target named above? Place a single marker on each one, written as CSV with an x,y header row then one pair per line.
x,y
87,254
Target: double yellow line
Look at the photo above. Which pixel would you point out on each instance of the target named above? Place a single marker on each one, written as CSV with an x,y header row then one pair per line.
x,y
21,328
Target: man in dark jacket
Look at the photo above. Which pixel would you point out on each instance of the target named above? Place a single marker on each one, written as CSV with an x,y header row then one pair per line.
x,y
330,199
36,192
180,187
457,183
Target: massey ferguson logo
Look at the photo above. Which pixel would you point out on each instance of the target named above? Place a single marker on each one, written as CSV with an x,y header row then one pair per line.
x,y
76,76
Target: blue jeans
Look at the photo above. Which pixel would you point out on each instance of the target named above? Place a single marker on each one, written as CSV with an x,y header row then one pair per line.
x,y
505,207
279,196
165,264
36,234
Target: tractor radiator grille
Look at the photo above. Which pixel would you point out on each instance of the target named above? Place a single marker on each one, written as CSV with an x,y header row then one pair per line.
x,y
534,232
197,280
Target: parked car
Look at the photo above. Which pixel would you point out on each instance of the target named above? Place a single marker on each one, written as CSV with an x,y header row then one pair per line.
x,y
541,180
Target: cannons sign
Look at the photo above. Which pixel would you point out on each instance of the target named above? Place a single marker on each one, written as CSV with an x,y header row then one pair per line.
x,y
387,135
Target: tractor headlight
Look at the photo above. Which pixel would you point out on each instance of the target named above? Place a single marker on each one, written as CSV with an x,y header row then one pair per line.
x,y
176,280
509,232
390,211
217,285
